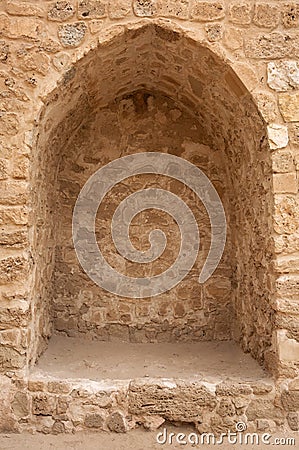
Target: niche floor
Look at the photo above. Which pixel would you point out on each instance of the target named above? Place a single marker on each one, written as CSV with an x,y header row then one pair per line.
x,y
73,358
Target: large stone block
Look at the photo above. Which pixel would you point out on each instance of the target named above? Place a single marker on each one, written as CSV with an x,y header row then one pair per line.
x,y
289,106
72,34
61,11
17,8
241,13
278,136
264,409
207,11
92,9
266,15
13,268
171,400
283,75
10,359
272,45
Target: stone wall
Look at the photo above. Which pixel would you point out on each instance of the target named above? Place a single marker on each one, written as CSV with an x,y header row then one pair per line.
x,y
230,69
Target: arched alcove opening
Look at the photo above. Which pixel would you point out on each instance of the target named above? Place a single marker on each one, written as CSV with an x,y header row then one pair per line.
x,y
153,89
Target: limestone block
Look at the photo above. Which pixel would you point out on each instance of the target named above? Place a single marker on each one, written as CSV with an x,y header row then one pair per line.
x,y
241,13
20,404
17,215
119,8
290,15
278,136
267,105
282,161
43,404
10,359
71,35
272,45
177,399
61,11
13,192
286,219
293,420
266,16
145,8
17,8
290,400
285,183
4,51
9,124
116,422
283,75
174,8
207,11
264,409
288,349
94,420
20,27
13,268
214,32
289,106
92,9
294,133
233,38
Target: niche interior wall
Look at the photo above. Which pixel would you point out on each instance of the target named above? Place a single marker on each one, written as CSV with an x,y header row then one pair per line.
x,y
84,83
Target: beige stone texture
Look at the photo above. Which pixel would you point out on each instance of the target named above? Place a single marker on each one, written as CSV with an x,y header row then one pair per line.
x,y
278,136
289,106
84,82
266,15
283,75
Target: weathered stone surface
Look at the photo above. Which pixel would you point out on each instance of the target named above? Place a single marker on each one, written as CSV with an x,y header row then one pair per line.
x,y
264,409
283,162
92,9
152,423
71,35
116,422
290,15
20,404
61,11
286,216
174,8
293,420
267,105
119,8
266,16
145,8
241,13
272,45
10,359
283,75
13,239
289,106
169,400
214,32
13,268
94,420
23,9
43,404
278,136
233,38
4,51
9,124
28,28
207,11
290,400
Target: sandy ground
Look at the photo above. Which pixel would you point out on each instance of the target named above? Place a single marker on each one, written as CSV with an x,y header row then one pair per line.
x,y
137,440
94,360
